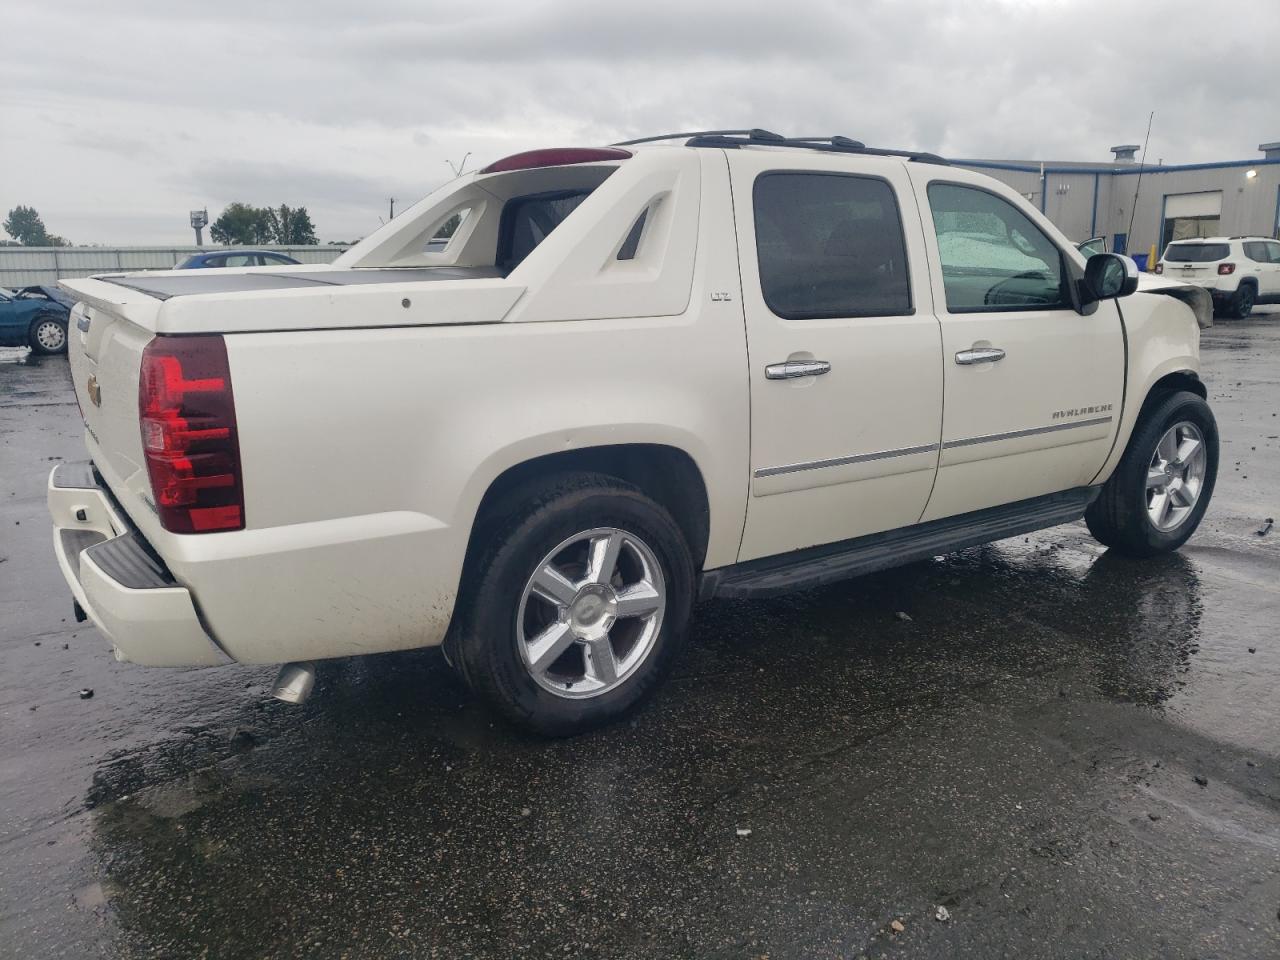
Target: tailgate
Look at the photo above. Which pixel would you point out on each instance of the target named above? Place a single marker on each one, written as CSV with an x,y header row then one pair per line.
x,y
1191,271
107,331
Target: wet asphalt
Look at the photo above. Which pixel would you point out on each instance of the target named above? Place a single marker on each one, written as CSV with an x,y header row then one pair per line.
x,y
1075,754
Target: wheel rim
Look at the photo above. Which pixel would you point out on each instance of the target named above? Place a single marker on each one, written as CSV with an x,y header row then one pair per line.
x,y
1175,477
50,335
1246,300
590,613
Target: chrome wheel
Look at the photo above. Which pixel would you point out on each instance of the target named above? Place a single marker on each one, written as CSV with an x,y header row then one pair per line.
x,y
50,335
1175,476
591,612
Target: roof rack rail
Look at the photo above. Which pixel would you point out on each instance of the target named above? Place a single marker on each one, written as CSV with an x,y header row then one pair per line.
x,y
835,144
757,132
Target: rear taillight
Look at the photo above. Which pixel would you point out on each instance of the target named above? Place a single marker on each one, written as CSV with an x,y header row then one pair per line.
x,y
1225,269
188,420
1159,268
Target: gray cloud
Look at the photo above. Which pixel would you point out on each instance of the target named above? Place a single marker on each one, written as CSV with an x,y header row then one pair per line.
x,y
155,107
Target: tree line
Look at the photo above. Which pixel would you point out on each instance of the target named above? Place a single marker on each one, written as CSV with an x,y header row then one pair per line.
x,y
242,224
239,224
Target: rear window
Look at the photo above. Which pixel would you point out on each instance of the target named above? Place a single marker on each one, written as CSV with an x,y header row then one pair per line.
x,y
830,245
528,220
1195,252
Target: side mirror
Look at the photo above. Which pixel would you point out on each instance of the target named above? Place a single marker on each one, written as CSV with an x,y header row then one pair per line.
x,y
1108,275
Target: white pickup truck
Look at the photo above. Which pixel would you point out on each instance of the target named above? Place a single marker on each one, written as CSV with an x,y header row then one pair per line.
x,y
541,413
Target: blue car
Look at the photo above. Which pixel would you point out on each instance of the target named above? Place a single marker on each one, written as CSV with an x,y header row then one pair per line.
x,y
236,258
35,317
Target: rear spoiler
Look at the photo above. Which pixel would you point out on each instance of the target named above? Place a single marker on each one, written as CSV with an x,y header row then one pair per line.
x,y
132,305
1197,298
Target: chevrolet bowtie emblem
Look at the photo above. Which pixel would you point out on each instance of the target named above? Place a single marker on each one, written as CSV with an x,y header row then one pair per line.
x,y
95,391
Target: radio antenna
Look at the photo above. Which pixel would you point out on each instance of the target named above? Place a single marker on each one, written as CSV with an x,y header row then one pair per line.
x,y
1134,209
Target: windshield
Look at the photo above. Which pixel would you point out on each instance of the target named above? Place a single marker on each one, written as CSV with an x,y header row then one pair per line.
x,y
1195,252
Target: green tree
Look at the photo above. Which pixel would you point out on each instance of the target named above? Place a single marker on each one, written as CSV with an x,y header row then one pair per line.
x,y
241,224
25,226
291,226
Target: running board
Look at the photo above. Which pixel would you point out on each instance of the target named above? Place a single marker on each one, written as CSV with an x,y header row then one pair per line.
x,y
829,563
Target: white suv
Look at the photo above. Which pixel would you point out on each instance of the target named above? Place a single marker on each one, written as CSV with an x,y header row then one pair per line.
x,y
1238,271
544,411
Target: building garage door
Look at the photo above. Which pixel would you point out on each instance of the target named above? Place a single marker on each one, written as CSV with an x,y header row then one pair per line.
x,y
1191,215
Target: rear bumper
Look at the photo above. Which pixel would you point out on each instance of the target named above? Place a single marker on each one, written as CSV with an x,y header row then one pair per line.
x,y
116,578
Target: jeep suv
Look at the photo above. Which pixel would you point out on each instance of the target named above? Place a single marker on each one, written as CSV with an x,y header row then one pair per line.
x,y
1237,271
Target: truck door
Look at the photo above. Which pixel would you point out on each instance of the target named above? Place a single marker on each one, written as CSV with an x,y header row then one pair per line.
x,y
1033,390
843,347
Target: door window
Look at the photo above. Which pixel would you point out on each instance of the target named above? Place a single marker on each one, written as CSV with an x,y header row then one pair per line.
x,y
993,257
830,245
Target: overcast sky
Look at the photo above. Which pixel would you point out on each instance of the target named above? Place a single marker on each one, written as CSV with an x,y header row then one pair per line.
x,y
117,118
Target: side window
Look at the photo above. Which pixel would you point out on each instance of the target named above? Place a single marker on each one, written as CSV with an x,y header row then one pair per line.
x,y
239,260
1257,252
993,256
215,262
1274,250
830,245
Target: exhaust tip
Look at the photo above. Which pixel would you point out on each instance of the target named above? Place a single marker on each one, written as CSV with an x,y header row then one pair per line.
x,y
294,682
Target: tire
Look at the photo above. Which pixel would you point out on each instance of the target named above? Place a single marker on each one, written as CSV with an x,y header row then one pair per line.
x,y
507,630
1123,517
1242,301
48,335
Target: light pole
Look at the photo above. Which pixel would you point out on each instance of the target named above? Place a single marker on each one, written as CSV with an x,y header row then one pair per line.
x,y
199,220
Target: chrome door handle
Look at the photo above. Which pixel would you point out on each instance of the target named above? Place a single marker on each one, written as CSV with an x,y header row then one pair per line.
x,y
979,355
796,368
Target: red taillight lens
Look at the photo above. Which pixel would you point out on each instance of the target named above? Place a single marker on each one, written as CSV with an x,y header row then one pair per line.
x,y
1225,269
556,157
1159,268
187,415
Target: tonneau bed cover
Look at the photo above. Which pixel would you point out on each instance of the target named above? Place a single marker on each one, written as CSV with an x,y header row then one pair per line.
x,y
162,286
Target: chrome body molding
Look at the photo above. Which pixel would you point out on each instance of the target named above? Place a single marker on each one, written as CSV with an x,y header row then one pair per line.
x,y
1016,434
843,461
924,448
